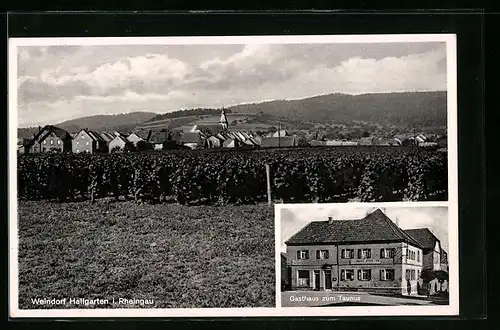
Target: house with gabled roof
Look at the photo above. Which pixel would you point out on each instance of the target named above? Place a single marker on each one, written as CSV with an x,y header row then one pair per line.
x,y
89,141
120,143
431,248
371,254
158,138
275,142
48,139
193,140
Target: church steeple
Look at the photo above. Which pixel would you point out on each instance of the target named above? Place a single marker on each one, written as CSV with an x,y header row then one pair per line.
x,y
223,119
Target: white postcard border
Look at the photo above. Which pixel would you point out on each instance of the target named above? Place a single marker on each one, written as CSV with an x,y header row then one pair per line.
x,y
452,204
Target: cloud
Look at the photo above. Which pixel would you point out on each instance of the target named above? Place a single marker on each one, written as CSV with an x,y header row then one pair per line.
x,y
216,75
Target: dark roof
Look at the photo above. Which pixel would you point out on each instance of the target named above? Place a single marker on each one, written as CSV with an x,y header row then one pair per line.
x,y
374,227
107,136
210,128
48,129
191,137
143,134
94,135
424,236
270,142
158,137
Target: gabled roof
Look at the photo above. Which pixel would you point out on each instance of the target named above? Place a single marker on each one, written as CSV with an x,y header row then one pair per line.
x,y
212,128
158,137
143,134
274,142
49,129
424,236
107,136
191,137
94,135
374,227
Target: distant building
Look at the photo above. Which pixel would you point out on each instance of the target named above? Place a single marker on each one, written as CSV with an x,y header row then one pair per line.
x,y
48,139
275,142
120,143
89,141
193,140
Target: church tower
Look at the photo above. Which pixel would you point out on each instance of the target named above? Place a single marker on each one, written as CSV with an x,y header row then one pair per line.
x,y
223,119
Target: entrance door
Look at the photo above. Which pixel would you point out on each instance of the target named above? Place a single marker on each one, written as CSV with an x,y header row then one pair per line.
x,y
328,279
316,280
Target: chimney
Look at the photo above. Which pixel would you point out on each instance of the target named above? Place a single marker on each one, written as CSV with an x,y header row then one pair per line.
x,y
330,220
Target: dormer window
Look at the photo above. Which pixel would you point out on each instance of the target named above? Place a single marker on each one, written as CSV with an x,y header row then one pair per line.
x,y
322,254
364,253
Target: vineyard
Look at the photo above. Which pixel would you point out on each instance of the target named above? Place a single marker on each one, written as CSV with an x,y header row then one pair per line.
x,y
238,177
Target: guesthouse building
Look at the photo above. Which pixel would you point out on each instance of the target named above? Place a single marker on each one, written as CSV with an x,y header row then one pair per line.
x,y
371,254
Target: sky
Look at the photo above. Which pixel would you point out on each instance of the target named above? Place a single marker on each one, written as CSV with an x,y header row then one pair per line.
x,y
58,83
433,218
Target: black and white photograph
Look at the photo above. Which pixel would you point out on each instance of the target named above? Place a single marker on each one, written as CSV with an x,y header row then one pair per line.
x,y
144,172
361,255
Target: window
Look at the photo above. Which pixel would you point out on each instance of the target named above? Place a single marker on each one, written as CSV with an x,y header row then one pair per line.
x,y
347,253
44,141
387,274
303,254
412,274
364,274
364,253
418,255
77,150
58,141
407,274
77,142
322,254
51,141
418,274
387,253
87,143
411,254
303,278
347,275
82,136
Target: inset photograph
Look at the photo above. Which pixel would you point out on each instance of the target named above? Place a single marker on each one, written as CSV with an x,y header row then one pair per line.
x,y
364,255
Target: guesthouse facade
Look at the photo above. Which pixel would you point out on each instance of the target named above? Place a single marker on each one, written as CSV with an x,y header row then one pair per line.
x,y
371,254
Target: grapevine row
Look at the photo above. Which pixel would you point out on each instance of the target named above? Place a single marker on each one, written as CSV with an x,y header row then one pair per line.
x,y
305,175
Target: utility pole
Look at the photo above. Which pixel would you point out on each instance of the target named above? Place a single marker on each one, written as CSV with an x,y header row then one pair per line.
x,y
279,134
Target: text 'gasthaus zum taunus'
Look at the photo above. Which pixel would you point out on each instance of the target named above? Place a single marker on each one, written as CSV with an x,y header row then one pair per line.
x,y
90,302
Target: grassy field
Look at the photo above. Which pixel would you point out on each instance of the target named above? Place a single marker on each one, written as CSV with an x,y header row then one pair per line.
x,y
179,256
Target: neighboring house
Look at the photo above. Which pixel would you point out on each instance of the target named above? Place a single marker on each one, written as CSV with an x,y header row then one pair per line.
x,y
444,261
275,142
193,140
431,248
89,141
158,138
370,254
119,143
49,138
